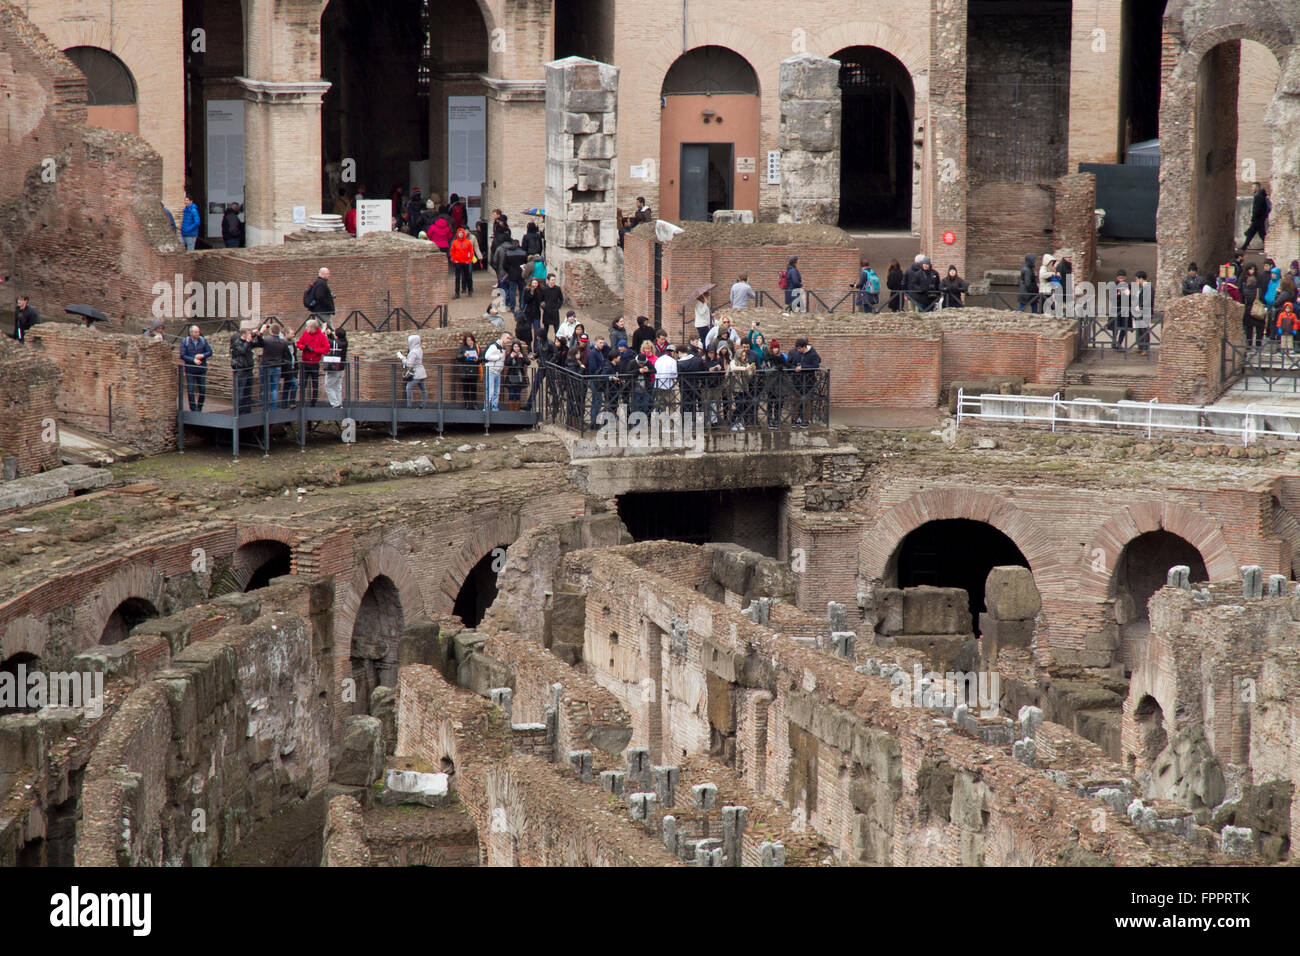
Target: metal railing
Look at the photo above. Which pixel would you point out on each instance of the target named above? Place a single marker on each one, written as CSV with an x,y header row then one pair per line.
x,y
396,319
302,395
1249,423
1119,334
1270,362
723,401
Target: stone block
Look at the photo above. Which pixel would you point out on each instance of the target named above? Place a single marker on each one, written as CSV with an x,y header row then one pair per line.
x,y
1109,396
359,759
1010,593
889,611
932,610
1252,581
704,796
409,787
1000,634
383,707
805,77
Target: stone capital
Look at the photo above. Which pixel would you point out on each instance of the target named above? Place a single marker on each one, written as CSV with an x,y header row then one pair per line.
x,y
514,91
271,91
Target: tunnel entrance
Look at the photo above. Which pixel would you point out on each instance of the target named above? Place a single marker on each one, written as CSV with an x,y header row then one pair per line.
x,y
268,559
749,517
480,588
10,692
955,553
876,137
1152,737
1144,564
125,616
376,634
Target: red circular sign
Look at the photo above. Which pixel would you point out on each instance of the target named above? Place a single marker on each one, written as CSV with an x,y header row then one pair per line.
x,y
665,284
949,238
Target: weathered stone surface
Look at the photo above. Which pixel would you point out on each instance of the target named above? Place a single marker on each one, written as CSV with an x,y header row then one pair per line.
x,y
931,610
412,787
1010,593
359,760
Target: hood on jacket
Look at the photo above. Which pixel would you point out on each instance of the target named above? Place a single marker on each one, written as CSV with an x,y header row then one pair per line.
x,y
412,341
1029,259
462,233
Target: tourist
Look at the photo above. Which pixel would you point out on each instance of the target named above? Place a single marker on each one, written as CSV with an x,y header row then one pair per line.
x,y
1286,326
341,204
532,311
462,261
532,241
494,363
642,213
1260,209
868,286
666,369
805,363
195,352
1028,287
895,282
689,366
413,371
516,374
439,230
739,379
190,223
742,293
1270,295
319,298
794,294
468,370
703,317
350,221
241,367
232,227
644,333
952,289
512,258
289,371
1046,270
552,299
1254,312
24,318
276,353
459,215
314,346
1141,312
923,285
155,331
333,363
661,342
643,376
777,385
723,332
619,330
1192,281
1119,320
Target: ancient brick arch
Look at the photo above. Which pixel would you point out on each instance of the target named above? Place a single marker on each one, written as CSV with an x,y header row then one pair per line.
x,y
25,635
256,546
139,581
1100,559
910,51
380,560
734,37
881,542
494,533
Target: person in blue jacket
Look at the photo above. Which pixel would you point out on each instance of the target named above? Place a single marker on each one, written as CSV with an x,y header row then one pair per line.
x,y
190,223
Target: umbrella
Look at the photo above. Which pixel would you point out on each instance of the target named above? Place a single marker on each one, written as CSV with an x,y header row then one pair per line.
x,y
534,212
699,292
87,311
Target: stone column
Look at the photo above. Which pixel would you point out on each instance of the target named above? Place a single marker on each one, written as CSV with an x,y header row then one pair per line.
x,y
515,180
581,170
282,115
945,160
810,139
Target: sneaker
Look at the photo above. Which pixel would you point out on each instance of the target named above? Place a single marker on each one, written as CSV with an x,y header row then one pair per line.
x,y
774,425
736,427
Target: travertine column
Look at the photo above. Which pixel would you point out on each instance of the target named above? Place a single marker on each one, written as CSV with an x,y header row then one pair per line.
x,y
282,115
945,154
810,139
581,164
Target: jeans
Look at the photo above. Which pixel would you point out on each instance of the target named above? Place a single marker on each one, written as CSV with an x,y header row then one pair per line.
x,y
334,388
512,293
270,386
288,389
196,386
464,278
411,386
597,401
190,241
310,382
491,399
244,388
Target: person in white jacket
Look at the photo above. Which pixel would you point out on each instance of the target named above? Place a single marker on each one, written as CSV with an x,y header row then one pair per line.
x,y
413,362
494,360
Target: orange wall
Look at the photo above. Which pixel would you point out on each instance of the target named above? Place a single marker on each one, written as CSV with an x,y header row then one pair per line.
x,y
680,122
124,119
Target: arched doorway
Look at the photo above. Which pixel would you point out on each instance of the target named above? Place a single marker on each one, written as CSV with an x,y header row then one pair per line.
x,y
1152,736
111,89
953,553
708,135
125,616
480,588
376,634
877,103
1143,567
263,561
13,686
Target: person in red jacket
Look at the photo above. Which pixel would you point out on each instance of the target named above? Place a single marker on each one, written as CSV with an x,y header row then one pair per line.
x,y
440,233
350,220
313,344
1288,323
462,260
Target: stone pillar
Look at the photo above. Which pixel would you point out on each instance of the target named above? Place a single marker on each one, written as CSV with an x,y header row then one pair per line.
x,y
810,139
945,162
516,113
282,115
581,172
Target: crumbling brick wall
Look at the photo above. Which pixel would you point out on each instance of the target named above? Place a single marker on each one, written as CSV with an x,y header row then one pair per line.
x,y
29,389
1190,369
113,385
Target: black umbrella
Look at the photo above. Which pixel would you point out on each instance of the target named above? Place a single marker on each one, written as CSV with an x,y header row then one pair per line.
x,y
87,311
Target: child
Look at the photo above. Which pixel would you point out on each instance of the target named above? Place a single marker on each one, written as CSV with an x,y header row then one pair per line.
x,y
1286,326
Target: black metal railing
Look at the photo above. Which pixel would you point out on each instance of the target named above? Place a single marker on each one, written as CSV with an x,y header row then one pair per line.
x,y
1270,362
1123,334
714,401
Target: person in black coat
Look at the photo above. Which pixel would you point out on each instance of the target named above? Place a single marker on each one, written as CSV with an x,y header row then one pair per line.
x,y
1028,287
552,300
805,361
468,362
923,285
241,363
1260,207
24,318
232,230
644,333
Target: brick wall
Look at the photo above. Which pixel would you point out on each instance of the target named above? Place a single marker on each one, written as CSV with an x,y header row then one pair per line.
x,y
98,369
29,388
1007,220
1074,221
1189,370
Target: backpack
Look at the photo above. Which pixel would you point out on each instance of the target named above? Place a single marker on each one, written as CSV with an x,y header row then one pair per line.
x,y
783,280
869,281
309,300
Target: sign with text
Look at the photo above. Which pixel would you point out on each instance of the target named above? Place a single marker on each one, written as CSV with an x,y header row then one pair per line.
x,y
374,215
225,165
467,151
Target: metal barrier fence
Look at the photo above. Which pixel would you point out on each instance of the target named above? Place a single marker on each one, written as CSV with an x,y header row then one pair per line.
x,y
736,401
396,319
1271,362
302,396
1249,423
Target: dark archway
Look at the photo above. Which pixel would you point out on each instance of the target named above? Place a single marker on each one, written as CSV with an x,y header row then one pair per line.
x,y
125,616
268,560
954,553
376,634
11,693
1143,567
480,588
112,93
877,103
1152,736
749,517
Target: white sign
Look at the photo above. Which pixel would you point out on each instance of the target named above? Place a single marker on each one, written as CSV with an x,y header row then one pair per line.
x,y
299,214
637,171
225,160
374,215
773,167
467,151
746,164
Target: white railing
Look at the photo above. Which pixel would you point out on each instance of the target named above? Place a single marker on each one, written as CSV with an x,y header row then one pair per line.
x,y
1251,423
